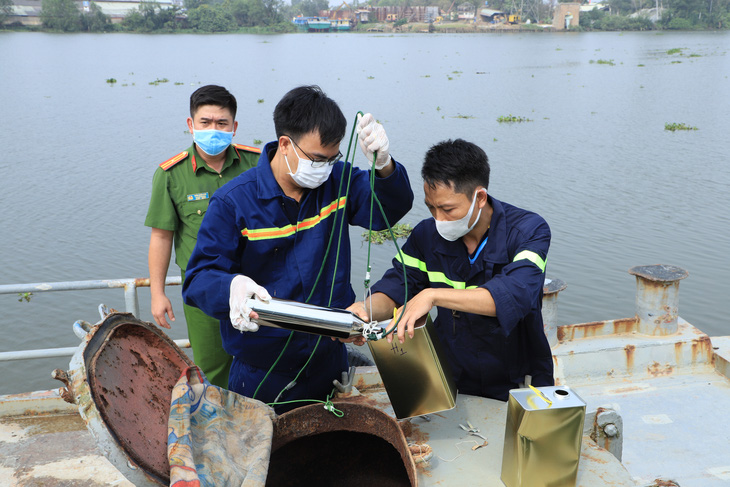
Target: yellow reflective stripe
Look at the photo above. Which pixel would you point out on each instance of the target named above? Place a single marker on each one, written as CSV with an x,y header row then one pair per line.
x,y
433,276
532,257
285,231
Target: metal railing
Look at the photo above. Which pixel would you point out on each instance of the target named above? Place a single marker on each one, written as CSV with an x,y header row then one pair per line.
x,y
131,302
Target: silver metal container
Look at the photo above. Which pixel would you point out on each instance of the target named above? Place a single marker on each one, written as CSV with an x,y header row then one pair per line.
x,y
542,437
292,315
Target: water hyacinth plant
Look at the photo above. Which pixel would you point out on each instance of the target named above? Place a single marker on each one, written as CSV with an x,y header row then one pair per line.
x,y
673,127
512,119
400,230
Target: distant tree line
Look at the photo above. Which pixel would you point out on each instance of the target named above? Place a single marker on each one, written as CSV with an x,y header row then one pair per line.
x,y
197,15
674,14
276,15
6,8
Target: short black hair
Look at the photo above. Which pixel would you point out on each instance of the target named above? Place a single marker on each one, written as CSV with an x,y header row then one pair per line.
x,y
308,109
212,95
457,162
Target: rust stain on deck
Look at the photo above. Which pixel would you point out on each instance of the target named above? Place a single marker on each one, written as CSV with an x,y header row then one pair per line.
x,y
597,328
657,370
630,350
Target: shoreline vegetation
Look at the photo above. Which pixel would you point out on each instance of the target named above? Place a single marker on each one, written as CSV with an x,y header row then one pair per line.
x,y
273,17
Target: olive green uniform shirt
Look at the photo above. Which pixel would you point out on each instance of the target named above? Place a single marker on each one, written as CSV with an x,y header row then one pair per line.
x,y
181,190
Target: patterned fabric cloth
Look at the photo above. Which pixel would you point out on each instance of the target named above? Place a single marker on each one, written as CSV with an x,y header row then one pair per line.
x,y
217,437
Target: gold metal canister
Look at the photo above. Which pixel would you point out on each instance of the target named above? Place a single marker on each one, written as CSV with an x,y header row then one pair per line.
x,y
542,437
416,374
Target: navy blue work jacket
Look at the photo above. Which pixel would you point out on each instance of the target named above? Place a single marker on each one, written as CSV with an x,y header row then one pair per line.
x,y
488,355
249,229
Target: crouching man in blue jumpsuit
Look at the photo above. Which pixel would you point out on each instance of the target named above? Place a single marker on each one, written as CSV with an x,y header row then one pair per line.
x,y
266,234
481,262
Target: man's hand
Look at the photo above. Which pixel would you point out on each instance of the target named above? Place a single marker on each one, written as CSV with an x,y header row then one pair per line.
x,y
242,288
358,309
162,306
372,138
414,314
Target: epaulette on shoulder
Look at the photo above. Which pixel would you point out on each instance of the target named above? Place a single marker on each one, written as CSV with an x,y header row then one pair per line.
x,y
247,148
174,160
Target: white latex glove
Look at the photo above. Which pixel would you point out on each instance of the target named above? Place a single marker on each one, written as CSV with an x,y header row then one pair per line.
x,y
242,288
372,138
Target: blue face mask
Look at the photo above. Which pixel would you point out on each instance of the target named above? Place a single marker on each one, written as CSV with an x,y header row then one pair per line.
x,y
212,142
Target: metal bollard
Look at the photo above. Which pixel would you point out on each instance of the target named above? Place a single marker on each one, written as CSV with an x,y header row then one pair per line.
x,y
657,298
605,426
550,292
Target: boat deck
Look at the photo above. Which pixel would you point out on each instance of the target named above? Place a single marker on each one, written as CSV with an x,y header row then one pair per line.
x,y
54,448
672,405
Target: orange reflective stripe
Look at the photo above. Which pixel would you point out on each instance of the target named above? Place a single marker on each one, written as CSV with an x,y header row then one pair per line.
x,y
270,233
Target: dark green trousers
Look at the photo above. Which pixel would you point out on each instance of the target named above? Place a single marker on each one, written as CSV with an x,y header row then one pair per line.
x,y
204,333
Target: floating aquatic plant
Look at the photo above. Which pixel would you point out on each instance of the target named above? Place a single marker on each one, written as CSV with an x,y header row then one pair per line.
x,y
512,118
158,81
676,50
25,297
672,127
463,116
400,230
256,141
603,61
260,100
111,81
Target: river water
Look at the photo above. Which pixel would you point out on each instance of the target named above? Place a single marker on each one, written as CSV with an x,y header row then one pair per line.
x,y
617,189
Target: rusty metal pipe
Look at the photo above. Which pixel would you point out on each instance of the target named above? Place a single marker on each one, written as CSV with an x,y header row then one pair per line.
x,y
550,291
657,298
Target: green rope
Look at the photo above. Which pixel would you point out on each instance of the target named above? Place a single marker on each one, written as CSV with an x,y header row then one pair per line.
x,y
328,404
374,198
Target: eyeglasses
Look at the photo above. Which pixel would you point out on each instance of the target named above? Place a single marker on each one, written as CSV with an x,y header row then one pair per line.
x,y
318,163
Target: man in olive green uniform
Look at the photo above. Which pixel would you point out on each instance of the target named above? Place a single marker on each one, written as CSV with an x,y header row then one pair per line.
x,y
181,189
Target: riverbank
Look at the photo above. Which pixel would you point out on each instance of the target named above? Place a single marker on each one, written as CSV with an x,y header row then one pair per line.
x,y
384,28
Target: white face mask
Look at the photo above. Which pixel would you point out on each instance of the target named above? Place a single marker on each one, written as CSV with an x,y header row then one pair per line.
x,y
454,230
308,176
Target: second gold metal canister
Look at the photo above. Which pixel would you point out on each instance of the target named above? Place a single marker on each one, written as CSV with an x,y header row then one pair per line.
x,y
542,437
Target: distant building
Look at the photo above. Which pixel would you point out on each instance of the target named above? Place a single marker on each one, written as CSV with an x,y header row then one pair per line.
x,y
493,16
362,15
28,12
566,15
466,11
25,12
411,14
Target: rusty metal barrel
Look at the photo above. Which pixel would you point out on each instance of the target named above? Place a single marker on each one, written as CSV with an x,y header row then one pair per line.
x,y
363,448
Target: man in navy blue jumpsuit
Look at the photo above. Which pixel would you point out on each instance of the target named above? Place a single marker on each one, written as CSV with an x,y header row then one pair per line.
x,y
266,234
481,262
